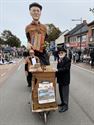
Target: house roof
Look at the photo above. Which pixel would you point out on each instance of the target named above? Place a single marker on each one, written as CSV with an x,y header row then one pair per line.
x,y
92,23
63,32
80,28
84,29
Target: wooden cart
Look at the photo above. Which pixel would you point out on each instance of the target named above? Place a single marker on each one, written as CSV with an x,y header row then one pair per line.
x,y
41,75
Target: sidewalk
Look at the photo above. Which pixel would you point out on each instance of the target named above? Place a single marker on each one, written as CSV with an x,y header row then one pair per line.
x,y
84,65
7,69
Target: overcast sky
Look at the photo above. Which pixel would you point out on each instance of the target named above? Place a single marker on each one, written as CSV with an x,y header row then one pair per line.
x,y
14,14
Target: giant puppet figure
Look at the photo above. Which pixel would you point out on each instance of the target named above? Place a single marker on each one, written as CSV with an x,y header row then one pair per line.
x,y
36,34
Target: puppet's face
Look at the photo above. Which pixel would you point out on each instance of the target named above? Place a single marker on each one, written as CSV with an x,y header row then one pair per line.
x,y
61,54
31,53
35,12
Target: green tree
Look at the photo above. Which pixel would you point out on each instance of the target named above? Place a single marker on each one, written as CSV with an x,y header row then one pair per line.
x,y
1,41
10,39
53,32
13,41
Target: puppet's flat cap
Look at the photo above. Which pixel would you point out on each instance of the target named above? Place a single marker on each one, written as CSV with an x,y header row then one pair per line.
x,y
35,5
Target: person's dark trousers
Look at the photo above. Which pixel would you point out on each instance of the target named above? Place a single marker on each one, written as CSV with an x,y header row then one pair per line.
x,y
92,62
44,59
64,94
29,79
54,58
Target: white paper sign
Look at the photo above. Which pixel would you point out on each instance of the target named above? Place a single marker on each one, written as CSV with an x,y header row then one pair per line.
x,y
46,95
34,61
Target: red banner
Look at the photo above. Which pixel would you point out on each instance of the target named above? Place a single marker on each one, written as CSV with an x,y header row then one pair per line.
x,y
76,44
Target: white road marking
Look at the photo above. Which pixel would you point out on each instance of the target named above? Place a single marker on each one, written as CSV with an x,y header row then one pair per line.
x,y
19,67
20,60
3,74
83,68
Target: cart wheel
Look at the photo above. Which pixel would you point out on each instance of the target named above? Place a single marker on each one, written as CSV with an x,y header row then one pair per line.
x,y
45,117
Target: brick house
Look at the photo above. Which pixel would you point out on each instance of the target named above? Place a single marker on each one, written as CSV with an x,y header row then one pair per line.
x,y
60,40
91,34
78,36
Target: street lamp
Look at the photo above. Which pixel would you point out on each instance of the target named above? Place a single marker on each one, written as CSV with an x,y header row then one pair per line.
x,y
92,10
80,30
77,20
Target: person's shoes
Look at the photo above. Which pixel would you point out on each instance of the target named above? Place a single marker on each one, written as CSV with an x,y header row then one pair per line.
x,y
29,85
60,105
63,109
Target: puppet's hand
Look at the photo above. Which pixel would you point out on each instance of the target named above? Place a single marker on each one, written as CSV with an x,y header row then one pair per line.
x,y
29,46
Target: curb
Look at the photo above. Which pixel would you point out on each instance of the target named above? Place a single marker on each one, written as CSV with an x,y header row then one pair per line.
x,y
6,75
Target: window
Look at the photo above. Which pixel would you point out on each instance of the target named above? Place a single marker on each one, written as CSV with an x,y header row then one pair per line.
x,y
84,38
78,39
93,33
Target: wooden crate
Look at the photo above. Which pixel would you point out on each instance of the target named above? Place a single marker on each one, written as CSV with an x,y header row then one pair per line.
x,y
38,76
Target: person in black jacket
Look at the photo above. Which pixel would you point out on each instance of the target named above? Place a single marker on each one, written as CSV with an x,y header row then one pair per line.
x,y
29,62
63,78
92,58
27,73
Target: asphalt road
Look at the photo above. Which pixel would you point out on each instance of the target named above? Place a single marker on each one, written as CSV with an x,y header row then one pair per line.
x,y
15,108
